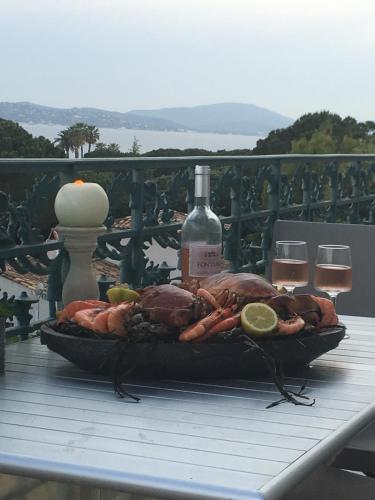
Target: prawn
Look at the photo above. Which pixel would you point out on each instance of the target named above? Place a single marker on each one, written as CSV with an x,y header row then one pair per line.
x,y
71,309
117,316
199,328
86,317
223,326
101,321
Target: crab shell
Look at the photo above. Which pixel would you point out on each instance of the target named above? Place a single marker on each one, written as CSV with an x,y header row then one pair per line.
x,y
316,311
168,304
247,287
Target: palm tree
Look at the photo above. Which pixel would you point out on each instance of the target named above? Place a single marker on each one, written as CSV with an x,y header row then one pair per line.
x,y
92,135
78,138
63,139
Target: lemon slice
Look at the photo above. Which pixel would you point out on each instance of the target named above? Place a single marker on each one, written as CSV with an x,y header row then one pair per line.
x,y
119,294
258,318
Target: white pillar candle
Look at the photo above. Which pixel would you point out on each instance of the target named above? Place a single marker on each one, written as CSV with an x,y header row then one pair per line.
x,y
81,204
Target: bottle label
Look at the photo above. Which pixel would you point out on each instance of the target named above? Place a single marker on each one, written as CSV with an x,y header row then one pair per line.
x,y
204,260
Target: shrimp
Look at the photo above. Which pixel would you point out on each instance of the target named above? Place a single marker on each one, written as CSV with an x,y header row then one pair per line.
x,y
117,316
208,297
70,310
101,321
199,328
223,326
86,317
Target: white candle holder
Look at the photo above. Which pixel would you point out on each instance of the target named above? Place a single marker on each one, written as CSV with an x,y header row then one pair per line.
x,y
80,242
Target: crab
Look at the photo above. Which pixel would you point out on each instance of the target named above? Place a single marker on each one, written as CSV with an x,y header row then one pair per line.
x,y
240,288
174,306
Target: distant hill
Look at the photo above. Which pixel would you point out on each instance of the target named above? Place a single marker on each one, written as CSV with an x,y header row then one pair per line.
x,y
232,118
27,112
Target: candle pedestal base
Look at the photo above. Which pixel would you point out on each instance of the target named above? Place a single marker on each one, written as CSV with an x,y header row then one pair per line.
x,y
80,243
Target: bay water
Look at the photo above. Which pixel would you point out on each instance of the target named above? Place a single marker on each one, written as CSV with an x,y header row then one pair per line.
x,y
155,139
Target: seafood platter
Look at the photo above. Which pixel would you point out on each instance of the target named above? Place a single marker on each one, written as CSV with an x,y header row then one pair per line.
x,y
225,326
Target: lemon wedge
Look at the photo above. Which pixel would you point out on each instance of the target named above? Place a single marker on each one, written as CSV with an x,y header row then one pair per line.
x,y
119,294
258,318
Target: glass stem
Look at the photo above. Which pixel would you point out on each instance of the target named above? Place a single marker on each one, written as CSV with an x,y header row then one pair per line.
x,y
334,300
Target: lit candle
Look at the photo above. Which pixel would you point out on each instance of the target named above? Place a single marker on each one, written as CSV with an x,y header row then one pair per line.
x,y
81,204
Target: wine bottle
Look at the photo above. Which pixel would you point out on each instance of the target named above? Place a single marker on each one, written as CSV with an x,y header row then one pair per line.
x,y
201,236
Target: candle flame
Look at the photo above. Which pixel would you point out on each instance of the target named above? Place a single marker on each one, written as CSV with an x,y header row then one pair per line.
x,y
78,182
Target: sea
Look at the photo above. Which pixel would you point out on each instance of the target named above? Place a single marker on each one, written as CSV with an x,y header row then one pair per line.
x,y
154,139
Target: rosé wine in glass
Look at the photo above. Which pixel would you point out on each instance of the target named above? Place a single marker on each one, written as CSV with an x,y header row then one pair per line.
x,y
333,271
290,265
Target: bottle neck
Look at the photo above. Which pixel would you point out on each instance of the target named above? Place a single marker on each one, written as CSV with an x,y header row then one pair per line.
x,y
202,190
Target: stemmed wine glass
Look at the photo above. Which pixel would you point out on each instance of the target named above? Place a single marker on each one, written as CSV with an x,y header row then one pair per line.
x,y
333,272
290,266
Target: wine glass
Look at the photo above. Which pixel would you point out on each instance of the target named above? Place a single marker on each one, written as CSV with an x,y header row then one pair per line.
x,y
333,271
290,266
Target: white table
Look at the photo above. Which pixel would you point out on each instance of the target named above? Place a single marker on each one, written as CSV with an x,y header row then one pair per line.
x,y
209,440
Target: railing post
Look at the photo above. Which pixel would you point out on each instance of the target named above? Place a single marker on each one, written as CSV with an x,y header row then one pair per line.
x,y
190,198
24,303
306,191
355,181
234,253
136,249
2,344
274,206
333,175
67,175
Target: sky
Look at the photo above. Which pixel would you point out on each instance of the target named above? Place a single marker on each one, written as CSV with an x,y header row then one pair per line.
x,y
290,56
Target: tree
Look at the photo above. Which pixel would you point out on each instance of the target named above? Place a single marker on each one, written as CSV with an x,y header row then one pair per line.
x,y
77,134
92,135
135,149
103,150
322,132
319,143
16,142
63,139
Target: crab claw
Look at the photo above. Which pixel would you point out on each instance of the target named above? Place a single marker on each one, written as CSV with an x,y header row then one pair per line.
x,y
328,312
306,306
290,326
317,311
282,305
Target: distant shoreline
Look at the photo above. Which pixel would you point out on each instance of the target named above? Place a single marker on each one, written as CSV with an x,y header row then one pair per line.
x,y
156,139
182,131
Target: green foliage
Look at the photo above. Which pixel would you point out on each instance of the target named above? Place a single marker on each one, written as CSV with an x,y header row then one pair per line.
x,y
135,149
319,143
319,133
103,150
16,142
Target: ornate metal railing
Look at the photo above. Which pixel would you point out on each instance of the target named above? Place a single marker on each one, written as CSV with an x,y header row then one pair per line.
x,y
248,192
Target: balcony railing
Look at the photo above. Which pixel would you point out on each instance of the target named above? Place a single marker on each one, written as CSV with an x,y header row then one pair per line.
x,y
248,192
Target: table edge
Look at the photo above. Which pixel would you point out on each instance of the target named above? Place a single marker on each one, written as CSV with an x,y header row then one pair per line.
x,y
121,481
324,451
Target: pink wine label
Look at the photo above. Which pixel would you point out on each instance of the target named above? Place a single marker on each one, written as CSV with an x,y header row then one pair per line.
x,y
204,260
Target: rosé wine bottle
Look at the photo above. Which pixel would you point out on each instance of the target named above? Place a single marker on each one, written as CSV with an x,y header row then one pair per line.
x,y
201,236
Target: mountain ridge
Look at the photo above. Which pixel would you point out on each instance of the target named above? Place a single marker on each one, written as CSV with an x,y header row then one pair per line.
x,y
224,118
229,117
